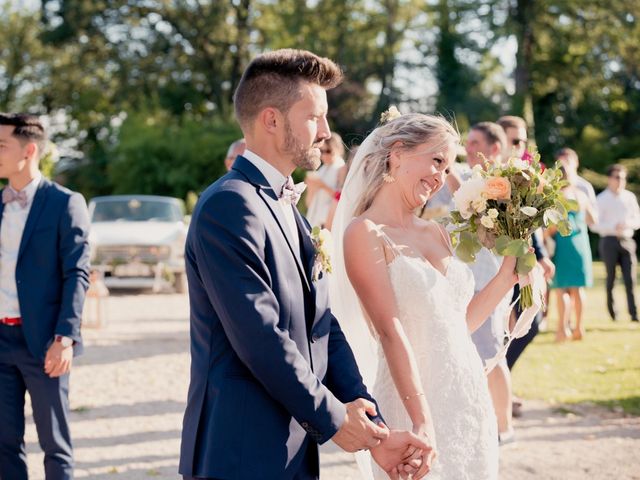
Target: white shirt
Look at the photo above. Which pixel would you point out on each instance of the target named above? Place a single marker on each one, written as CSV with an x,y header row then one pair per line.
x,y
14,218
276,181
617,208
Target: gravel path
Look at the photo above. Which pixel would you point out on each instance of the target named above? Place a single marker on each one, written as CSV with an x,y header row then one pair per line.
x,y
128,393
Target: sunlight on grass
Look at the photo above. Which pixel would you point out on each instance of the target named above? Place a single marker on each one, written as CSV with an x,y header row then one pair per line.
x,y
604,368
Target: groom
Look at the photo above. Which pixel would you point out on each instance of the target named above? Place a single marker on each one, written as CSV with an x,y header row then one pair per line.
x,y
272,375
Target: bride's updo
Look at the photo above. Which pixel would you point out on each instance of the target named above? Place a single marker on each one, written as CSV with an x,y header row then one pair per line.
x,y
411,130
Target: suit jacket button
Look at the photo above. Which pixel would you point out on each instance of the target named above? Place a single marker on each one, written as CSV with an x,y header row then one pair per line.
x,y
305,425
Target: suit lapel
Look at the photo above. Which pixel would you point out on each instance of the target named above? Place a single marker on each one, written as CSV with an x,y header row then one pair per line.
x,y
34,213
307,245
270,198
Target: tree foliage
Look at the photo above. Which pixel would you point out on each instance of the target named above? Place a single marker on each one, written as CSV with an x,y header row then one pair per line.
x,y
143,90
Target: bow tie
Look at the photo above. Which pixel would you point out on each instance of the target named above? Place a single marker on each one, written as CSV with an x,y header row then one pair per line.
x,y
291,191
10,195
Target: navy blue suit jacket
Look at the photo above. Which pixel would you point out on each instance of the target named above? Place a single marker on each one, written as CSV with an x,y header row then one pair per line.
x,y
52,272
270,367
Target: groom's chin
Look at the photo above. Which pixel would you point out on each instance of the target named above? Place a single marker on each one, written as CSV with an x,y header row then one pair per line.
x,y
310,162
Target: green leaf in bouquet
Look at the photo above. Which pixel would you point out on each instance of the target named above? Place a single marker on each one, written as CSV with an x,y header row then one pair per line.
x,y
468,246
457,217
564,227
516,248
525,263
501,244
552,217
570,205
464,253
471,240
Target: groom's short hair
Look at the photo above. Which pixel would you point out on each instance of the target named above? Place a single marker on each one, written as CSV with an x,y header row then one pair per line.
x,y
273,80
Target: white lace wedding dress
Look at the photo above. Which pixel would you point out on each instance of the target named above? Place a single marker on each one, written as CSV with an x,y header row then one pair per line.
x,y
432,308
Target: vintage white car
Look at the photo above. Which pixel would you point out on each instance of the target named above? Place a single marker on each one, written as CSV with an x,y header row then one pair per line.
x,y
137,241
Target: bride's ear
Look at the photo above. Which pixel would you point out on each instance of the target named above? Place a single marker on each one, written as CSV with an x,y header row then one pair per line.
x,y
394,154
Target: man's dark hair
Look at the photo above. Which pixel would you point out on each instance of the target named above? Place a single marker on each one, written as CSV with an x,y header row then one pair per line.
x,y
511,121
568,152
273,80
27,128
493,133
616,168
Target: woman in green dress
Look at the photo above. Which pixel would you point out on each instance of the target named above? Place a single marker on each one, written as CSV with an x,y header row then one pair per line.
x,y
573,261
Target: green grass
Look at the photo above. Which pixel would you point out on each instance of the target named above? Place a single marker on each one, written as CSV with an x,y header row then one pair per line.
x,y
604,368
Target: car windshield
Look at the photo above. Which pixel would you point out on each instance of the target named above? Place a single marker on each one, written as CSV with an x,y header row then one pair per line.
x,y
135,210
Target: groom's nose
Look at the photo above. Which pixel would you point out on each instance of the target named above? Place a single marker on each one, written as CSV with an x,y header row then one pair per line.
x,y
324,133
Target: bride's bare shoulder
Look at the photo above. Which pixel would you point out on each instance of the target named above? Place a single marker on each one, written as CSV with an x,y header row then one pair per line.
x,y
361,231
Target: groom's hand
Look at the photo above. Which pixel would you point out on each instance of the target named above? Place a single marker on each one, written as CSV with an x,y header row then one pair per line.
x,y
358,432
404,455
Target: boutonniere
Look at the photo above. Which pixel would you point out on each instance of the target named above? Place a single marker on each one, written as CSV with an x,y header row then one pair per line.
x,y
321,239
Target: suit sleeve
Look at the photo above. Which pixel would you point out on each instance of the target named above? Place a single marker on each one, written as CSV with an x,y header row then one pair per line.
x,y
229,243
74,259
343,377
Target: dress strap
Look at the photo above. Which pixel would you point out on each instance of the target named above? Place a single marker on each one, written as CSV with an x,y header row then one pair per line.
x,y
445,237
390,243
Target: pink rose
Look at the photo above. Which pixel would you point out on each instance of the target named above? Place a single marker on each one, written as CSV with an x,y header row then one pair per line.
x,y
498,188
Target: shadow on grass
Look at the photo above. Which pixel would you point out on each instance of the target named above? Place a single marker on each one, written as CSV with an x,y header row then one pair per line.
x,y
630,405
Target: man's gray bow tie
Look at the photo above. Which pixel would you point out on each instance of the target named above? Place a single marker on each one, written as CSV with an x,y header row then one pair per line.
x,y
10,195
291,191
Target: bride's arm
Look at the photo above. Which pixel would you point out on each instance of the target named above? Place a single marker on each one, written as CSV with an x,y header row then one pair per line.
x,y
487,299
367,270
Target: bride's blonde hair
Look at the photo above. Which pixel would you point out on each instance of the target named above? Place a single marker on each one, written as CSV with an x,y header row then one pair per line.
x,y
410,130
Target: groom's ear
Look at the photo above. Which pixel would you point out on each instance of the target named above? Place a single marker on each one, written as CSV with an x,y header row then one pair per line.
x,y
270,119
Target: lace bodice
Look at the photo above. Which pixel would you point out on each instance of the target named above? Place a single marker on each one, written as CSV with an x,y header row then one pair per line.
x,y
432,309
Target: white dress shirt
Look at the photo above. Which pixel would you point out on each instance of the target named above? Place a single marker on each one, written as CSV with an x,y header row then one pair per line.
x,y
615,208
14,218
276,181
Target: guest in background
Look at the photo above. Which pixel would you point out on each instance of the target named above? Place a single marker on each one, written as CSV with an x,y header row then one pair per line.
x,y
569,160
322,185
485,144
342,176
235,149
572,258
516,130
44,274
618,217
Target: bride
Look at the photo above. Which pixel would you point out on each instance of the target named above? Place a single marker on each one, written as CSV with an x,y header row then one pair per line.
x,y
419,308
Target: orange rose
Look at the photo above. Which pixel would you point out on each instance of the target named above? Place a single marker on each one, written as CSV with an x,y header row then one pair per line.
x,y
498,188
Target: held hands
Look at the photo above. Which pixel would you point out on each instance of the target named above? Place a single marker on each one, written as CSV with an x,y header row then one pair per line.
x,y
405,455
58,360
358,432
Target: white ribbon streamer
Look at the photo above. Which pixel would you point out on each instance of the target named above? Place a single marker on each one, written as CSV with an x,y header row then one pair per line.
x,y
522,326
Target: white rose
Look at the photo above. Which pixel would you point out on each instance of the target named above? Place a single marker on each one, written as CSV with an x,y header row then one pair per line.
x,y
486,221
479,204
469,191
492,213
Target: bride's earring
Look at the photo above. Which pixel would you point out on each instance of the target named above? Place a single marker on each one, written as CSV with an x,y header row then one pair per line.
x,y
386,178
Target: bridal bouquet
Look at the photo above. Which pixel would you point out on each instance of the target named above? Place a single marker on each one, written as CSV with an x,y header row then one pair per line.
x,y
499,208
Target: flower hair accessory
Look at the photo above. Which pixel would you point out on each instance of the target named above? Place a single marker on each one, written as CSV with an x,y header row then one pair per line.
x,y
390,114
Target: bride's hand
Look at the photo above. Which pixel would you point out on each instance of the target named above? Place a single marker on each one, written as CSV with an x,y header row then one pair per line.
x,y
508,269
419,462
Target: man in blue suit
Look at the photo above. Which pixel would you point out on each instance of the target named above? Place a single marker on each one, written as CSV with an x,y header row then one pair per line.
x,y
272,375
44,274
